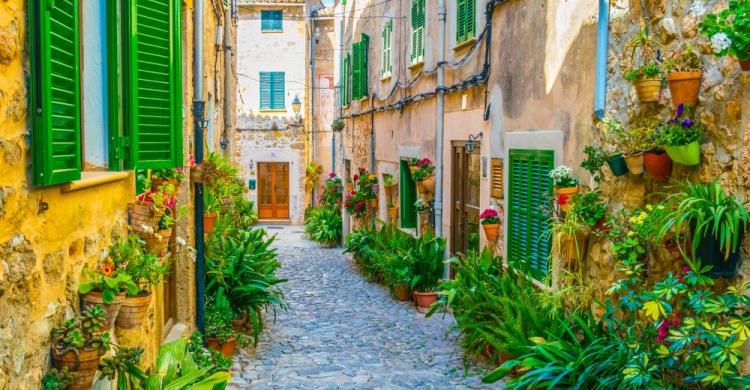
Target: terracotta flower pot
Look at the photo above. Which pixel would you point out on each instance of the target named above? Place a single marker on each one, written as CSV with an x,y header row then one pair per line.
x,y
349,187
94,298
424,300
429,184
490,231
393,213
689,154
568,193
133,311
648,89
635,163
144,218
226,348
573,250
209,219
658,164
156,183
401,292
684,87
420,187
83,365
413,169
373,203
745,64
158,243
196,174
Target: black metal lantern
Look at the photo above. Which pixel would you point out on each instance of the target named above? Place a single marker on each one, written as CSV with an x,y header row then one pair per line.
x,y
472,142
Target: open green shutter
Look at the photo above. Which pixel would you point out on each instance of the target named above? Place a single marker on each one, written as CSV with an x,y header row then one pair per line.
x,y
460,21
364,47
470,28
414,29
155,81
55,91
408,195
420,42
356,71
529,183
385,67
265,90
277,91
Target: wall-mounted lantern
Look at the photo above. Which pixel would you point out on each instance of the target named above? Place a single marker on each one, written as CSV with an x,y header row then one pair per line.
x,y
472,142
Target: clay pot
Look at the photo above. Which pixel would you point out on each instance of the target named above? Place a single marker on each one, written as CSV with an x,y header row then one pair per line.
x,y
573,250
420,187
158,243
658,164
424,300
209,219
569,192
689,154
373,203
635,163
648,89
618,165
133,311
413,169
349,187
156,183
94,298
144,217
226,348
745,64
196,174
83,365
393,213
401,292
429,184
490,231
684,87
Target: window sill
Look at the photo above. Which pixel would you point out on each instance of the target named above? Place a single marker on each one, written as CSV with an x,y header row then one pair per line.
x,y
386,78
93,179
271,31
271,110
464,45
417,65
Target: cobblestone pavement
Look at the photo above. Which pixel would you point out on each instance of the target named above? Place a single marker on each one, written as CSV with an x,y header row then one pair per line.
x,y
345,333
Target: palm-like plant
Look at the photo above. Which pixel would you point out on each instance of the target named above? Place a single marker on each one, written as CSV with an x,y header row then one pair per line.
x,y
323,225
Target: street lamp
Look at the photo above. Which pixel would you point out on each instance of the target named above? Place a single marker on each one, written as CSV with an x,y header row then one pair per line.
x,y
471,143
296,105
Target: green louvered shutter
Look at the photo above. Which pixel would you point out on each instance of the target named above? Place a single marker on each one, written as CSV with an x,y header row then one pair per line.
x,y
55,91
386,67
460,21
155,84
277,91
271,20
356,71
408,195
364,46
529,183
417,30
470,26
265,90
346,81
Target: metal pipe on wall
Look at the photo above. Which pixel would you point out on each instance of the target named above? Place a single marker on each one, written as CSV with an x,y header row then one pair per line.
x,y
228,90
313,135
602,50
198,114
439,129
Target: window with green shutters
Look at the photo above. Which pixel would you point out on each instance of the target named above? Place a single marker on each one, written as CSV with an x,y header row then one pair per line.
x,y
55,91
272,91
417,30
387,61
529,181
346,81
271,20
465,20
359,67
407,197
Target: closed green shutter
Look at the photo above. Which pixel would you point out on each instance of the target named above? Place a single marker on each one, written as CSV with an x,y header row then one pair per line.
x,y
154,80
277,91
386,67
471,19
364,47
346,81
460,21
271,20
356,71
408,195
417,30
55,91
529,183
265,90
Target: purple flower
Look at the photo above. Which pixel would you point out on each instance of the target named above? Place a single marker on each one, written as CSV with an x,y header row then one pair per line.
x,y
680,109
687,123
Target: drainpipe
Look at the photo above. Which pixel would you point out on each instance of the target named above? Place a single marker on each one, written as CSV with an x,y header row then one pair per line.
x,y
198,112
312,95
341,95
602,50
228,90
372,154
439,129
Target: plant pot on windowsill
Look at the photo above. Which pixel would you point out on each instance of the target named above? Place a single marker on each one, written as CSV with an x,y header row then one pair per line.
x,y
226,348
658,164
684,87
424,300
689,154
133,311
209,220
94,298
490,231
617,164
393,213
635,163
648,89
401,292
83,364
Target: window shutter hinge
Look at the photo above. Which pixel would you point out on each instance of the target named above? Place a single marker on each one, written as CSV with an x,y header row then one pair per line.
x,y
123,143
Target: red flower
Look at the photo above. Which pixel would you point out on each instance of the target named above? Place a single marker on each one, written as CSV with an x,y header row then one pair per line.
x,y
355,177
361,170
332,190
354,193
562,200
640,72
348,204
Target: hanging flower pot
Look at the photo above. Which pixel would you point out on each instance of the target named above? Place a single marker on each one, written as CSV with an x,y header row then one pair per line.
x,y
684,87
420,187
209,220
648,89
689,154
424,300
565,197
573,250
373,203
158,243
83,364
401,292
133,311
618,165
226,348
413,168
393,213
635,163
158,182
745,64
144,217
490,230
196,174
429,184
94,298
658,164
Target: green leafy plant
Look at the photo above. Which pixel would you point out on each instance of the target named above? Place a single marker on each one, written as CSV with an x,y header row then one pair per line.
x,y
333,192
312,174
337,125
219,317
687,60
680,130
728,30
427,262
168,174
122,368
424,171
324,225
108,281
649,70
81,333
489,217
145,270
589,206
422,205
55,379
388,180
596,157
641,57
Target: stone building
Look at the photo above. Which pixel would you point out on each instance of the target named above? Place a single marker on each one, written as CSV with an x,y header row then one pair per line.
x,y
62,205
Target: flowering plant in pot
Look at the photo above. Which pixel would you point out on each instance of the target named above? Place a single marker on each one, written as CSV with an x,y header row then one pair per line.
x,y
333,191
596,157
637,138
684,71
680,137
729,33
220,335
565,185
79,343
149,207
490,221
161,176
388,180
427,268
647,76
106,286
422,206
591,208
424,176
613,132
356,203
413,164
392,211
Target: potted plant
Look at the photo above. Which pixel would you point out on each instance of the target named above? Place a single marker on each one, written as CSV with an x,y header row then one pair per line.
x,y
596,157
729,33
355,203
170,176
490,220
684,71
220,335
591,209
427,269
337,125
333,192
78,344
565,185
413,164
569,234
646,77
424,176
716,221
106,286
147,210
680,137
398,274
211,212
122,368
613,132
349,184
392,211
55,379
389,182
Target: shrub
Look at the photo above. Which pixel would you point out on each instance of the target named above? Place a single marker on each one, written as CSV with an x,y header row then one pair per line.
x,y
323,225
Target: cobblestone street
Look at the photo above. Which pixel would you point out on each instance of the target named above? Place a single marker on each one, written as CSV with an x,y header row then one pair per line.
x,y
343,332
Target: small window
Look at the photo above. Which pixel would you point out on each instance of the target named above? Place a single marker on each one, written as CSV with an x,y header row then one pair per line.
x,y
272,91
387,62
465,20
271,20
417,30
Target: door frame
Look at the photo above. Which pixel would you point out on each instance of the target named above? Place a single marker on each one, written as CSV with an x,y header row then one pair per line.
x,y
459,170
274,177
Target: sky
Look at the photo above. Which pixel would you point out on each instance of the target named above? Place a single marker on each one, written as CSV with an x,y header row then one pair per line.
x,y
327,2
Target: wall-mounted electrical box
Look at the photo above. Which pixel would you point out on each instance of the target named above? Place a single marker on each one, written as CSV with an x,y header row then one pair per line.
x,y
251,184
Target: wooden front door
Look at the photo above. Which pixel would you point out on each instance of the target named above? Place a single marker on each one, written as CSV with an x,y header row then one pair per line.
x,y
273,190
465,177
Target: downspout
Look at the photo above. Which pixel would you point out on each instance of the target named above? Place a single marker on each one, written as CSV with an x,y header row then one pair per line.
x,y
228,90
341,95
372,154
198,112
602,50
439,130
312,95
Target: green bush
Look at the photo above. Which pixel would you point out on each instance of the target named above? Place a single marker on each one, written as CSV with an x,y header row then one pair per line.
x,y
323,225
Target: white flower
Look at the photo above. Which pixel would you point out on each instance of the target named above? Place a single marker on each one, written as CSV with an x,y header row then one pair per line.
x,y
181,241
720,42
147,229
104,254
698,8
561,172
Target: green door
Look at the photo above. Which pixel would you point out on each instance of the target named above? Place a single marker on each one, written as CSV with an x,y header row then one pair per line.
x,y
408,195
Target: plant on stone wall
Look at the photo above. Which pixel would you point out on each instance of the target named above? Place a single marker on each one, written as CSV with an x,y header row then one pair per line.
x,y
337,125
729,30
687,60
83,333
333,191
108,281
122,368
55,379
641,57
562,176
680,136
596,157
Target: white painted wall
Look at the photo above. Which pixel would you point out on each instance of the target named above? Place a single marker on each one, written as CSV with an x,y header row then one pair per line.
x,y
93,42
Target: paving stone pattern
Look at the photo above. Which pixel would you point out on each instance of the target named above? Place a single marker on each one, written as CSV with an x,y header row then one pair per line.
x,y
345,333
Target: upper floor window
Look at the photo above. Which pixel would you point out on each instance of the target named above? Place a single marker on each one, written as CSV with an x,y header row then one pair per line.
x,y
465,20
272,91
387,61
417,30
271,20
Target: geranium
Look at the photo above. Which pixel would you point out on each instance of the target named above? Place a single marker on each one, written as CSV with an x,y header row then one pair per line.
x,y
489,217
562,200
720,42
728,30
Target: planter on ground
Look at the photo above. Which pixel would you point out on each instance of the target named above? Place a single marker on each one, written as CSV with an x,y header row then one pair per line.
x,y
209,219
684,87
658,164
133,311
635,163
83,364
689,154
424,300
618,165
226,348
401,292
393,213
648,89
93,298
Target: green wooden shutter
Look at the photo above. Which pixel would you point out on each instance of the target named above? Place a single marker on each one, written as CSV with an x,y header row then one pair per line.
x,y
265,20
356,71
364,71
470,28
55,91
385,68
346,81
265,90
417,27
460,21
349,78
155,83
271,20
407,196
277,91
529,182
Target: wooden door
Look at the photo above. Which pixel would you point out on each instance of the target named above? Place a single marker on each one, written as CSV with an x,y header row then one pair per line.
x,y
465,177
273,190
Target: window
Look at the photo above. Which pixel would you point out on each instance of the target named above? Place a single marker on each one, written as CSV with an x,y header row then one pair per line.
x,y
387,62
359,67
271,20
272,91
529,182
407,197
417,30
346,81
465,20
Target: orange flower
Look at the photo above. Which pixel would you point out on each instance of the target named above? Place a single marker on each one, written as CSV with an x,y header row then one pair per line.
x,y
107,269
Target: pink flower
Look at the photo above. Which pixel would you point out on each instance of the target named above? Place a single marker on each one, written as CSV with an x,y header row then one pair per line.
x,y
332,175
488,213
179,169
